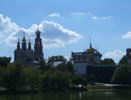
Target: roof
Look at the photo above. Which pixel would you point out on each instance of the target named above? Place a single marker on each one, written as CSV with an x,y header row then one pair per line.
x,y
91,49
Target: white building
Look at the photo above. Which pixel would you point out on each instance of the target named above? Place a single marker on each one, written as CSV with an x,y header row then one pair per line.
x,y
82,59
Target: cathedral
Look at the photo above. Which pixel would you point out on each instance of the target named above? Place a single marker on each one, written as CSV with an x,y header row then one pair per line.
x,y
82,59
27,55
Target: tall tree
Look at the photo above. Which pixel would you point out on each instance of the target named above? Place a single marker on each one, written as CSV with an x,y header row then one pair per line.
x,y
4,61
121,75
56,58
107,61
13,78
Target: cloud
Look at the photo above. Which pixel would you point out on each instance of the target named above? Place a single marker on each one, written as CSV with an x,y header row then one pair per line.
x,y
52,33
6,26
101,18
79,13
127,35
54,15
95,18
116,55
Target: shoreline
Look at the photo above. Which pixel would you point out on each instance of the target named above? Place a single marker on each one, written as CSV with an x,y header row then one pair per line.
x,y
89,87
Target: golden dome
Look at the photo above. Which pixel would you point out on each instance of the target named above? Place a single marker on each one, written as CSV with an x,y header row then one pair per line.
x,y
91,49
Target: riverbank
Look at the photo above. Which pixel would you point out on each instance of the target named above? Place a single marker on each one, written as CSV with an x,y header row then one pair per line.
x,y
91,87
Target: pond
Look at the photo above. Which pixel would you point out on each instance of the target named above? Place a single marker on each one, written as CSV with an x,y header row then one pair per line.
x,y
88,95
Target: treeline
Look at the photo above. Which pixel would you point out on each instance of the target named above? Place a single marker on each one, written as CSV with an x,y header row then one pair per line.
x,y
15,77
122,75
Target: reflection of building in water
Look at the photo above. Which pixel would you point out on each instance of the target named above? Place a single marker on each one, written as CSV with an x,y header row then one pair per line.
x,y
83,59
27,55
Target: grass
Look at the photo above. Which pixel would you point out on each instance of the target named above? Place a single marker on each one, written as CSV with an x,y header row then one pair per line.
x,y
2,89
98,86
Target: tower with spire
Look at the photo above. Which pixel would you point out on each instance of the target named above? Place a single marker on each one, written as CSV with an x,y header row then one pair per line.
x,y
25,54
81,60
38,49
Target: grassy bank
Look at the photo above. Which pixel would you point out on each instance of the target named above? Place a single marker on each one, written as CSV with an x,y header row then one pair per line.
x,y
98,86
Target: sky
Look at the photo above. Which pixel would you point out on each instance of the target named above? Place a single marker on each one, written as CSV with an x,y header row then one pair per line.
x,y
67,26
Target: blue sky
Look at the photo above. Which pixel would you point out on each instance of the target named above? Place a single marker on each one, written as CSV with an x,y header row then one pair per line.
x,y
68,25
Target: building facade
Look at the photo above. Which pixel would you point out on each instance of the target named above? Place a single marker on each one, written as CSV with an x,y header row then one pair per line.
x,y
27,55
128,55
82,59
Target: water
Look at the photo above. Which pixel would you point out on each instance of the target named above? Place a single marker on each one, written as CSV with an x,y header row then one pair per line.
x,y
89,95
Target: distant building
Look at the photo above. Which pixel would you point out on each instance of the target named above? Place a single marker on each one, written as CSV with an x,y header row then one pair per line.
x,y
87,63
27,55
128,55
82,59
102,73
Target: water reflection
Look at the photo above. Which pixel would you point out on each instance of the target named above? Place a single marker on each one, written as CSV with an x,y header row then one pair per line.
x,y
89,95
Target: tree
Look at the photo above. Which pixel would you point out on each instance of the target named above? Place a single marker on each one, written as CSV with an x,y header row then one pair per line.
x,y
32,76
56,58
92,78
79,80
66,67
44,66
4,61
107,61
56,79
123,60
12,78
121,75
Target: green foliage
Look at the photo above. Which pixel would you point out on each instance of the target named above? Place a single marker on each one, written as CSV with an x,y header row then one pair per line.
x,y
122,75
4,61
92,78
107,61
44,66
56,79
12,78
66,67
16,77
123,60
79,80
56,58
32,76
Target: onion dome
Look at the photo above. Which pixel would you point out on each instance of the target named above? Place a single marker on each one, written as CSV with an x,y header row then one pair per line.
x,y
91,49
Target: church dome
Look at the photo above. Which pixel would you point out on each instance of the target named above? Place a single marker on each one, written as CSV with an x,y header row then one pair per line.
x,y
37,32
91,49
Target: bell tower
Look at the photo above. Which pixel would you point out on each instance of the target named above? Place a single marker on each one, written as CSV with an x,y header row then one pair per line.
x,y
24,42
38,49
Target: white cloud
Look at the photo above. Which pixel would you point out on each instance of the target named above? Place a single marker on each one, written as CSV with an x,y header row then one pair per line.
x,y
54,15
52,33
79,13
6,26
116,55
101,18
127,36
95,18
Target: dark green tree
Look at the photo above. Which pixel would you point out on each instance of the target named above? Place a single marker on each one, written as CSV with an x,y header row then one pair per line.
x,y
123,60
107,61
32,77
4,61
121,75
13,78
79,80
66,67
44,66
92,78
56,79
56,58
